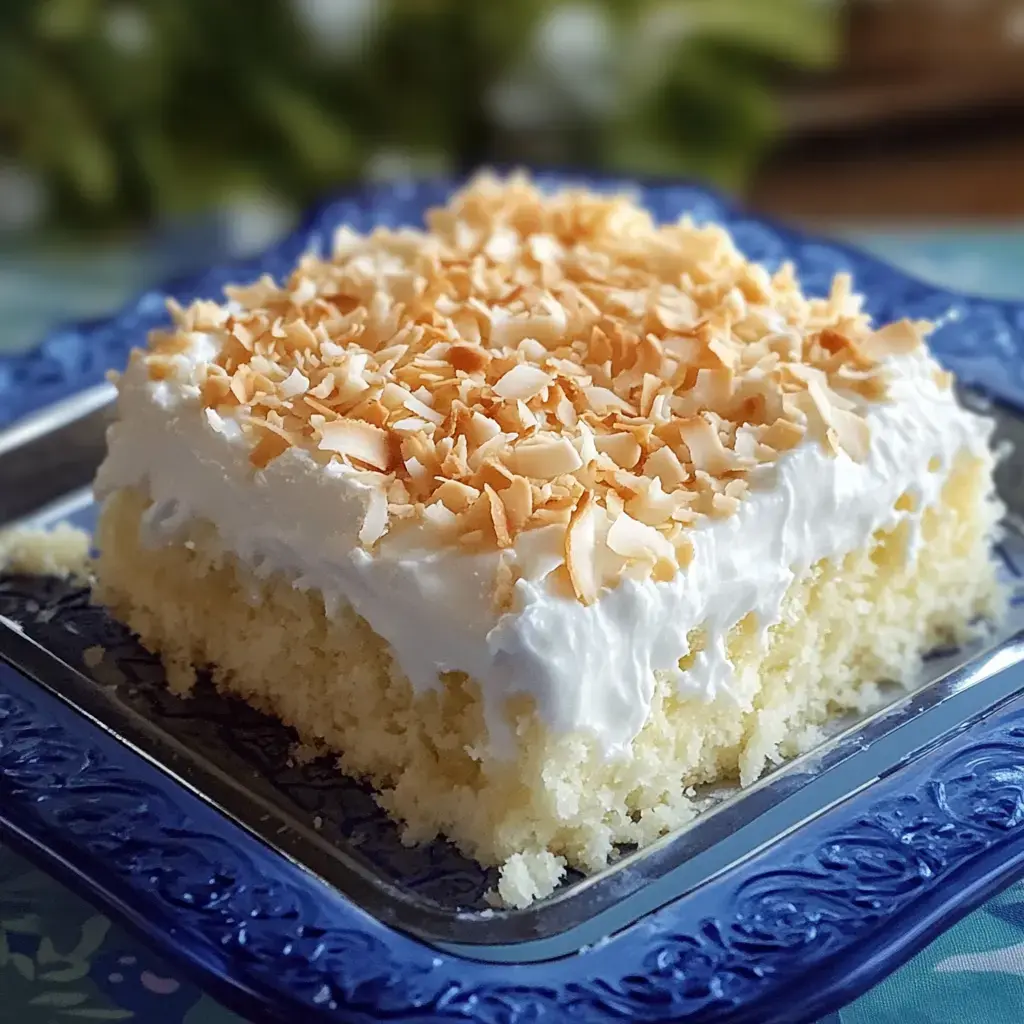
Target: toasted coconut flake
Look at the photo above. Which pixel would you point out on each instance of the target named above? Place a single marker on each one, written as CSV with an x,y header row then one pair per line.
x,y
654,506
505,579
725,353
523,382
649,389
421,409
419,474
412,425
293,385
544,458
492,450
493,472
398,493
600,350
375,522
870,384
455,463
176,310
468,358
208,315
650,356
300,336
603,401
581,550
394,396
480,429
518,501
723,505
370,410
544,248
507,332
323,389
456,496
853,433
565,412
272,442
440,518
623,448
737,488
712,389
677,312
252,296
782,435
584,444
845,429
239,385
499,518
706,449
665,466
214,390
357,440
899,338
632,539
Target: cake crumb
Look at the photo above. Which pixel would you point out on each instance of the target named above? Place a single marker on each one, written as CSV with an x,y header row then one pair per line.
x,y
61,550
529,876
306,753
93,656
102,669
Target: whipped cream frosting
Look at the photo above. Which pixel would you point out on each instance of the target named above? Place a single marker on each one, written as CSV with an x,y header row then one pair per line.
x,y
589,668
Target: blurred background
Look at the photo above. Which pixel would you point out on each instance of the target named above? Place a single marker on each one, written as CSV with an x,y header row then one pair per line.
x,y
141,137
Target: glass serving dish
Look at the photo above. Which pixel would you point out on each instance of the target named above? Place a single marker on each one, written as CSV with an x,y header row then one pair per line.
x,y
282,881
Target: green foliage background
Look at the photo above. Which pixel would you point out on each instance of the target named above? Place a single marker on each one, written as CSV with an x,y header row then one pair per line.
x,y
128,109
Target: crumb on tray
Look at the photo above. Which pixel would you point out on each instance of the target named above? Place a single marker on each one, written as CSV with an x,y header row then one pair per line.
x,y
61,550
93,656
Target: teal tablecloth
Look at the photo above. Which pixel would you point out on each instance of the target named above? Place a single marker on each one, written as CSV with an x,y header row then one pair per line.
x,y
61,960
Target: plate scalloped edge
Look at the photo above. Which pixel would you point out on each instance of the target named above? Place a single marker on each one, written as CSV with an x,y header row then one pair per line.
x,y
845,899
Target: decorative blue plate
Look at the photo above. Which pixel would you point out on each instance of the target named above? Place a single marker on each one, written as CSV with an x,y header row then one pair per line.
x,y
285,891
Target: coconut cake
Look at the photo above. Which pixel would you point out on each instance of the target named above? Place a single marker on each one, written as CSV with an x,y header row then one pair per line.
x,y
543,514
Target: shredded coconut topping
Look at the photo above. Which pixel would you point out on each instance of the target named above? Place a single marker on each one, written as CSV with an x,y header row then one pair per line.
x,y
535,361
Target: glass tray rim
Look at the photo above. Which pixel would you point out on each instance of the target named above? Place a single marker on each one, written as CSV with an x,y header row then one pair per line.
x,y
986,351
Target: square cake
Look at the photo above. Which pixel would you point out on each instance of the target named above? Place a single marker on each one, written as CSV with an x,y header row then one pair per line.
x,y
544,515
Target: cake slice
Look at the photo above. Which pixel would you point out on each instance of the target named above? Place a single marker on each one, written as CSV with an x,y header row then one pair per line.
x,y
544,515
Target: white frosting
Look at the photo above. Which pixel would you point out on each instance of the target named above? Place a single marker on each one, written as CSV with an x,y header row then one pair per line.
x,y
589,668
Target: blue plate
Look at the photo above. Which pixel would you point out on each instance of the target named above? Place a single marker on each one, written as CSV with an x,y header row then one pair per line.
x,y
860,858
